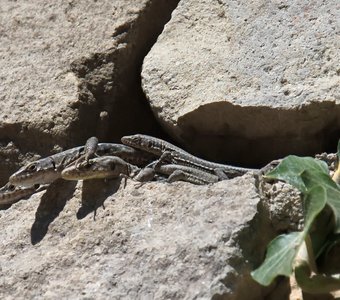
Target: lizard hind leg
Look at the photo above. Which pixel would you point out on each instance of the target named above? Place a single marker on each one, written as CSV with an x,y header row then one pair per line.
x,y
166,157
145,175
176,176
220,173
180,175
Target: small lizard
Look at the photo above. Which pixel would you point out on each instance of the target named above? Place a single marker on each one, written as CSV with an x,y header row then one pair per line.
x,y
179,156
106,167
47,170
98,168
10,194
113,167
186,173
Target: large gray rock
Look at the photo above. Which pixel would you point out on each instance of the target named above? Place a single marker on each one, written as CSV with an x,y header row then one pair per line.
x,y
69,70
161,241
39,41
227,77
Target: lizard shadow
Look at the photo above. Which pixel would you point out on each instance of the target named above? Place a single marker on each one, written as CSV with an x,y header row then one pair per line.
x,y
94,193
52,203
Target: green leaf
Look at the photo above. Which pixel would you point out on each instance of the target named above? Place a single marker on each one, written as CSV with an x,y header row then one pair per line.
x,y
322,230
312,179
315,200
282,251
279,258
314,203
290,169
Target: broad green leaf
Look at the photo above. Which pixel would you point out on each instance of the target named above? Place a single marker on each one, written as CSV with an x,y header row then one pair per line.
x,y
315,200
282,251
322,230
279,258
312,179
314,203
290,169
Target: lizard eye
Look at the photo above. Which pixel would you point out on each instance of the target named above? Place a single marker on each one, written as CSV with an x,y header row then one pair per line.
x,y
11,187
32,167
36,186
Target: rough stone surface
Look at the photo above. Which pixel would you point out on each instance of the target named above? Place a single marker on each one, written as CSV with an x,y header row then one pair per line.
x,y
284,205
67,67
72,69
161,241
38,88
243,75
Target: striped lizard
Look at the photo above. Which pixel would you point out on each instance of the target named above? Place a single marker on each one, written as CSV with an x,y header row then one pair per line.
x,y
113,167
47,170
179,156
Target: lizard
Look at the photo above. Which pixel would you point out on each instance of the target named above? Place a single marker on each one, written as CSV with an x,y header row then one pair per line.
x,y
183,172
105,167
113,167
179,156
47,170
10,194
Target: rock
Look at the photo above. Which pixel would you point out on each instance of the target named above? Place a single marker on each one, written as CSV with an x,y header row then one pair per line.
x,y
284,205
229,76
65,65
71,70
161,241
39,42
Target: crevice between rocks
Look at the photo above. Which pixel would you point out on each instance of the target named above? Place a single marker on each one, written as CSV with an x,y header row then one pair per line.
x,y
113,101
254,136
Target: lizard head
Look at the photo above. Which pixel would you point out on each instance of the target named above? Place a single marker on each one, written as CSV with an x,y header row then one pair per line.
x,y
132,140
96,168
42,171
142,142
10,193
